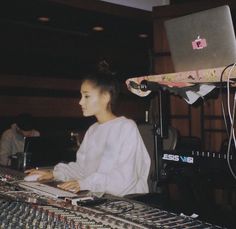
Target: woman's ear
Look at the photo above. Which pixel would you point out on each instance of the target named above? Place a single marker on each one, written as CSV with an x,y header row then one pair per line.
x,y
106,97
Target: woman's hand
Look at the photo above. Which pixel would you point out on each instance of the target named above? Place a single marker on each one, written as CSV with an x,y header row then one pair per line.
x,y
72,186
43,174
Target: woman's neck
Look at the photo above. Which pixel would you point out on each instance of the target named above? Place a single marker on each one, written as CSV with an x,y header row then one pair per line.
x,y
102,118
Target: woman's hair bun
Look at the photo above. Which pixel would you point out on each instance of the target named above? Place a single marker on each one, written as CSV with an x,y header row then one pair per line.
x,y
104,68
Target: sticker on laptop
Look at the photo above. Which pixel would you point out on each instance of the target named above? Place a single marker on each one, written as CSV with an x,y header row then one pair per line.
x,y
199,43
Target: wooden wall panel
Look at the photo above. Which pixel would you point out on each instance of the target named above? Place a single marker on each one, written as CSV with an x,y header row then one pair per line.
x,y
213,106
133,107
181,125
160,39
54,102
163,64
214,141
181,109
40,106
196,127
215,123
42,82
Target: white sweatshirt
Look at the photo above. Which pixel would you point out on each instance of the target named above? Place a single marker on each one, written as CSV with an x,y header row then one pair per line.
x,y
112,158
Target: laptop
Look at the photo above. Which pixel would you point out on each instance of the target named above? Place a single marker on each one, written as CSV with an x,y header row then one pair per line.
x,y
48,151
202,40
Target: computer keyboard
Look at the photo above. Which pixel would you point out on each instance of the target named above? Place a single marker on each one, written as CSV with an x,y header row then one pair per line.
x,y
46,190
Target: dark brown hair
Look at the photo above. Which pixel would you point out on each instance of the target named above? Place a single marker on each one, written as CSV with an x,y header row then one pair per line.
x,y
106,82
25,121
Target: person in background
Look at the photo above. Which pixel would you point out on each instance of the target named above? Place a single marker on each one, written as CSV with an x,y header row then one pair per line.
x,y
112,157
12,139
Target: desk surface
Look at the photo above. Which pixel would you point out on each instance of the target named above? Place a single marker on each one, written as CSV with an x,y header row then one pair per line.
x,y
184,79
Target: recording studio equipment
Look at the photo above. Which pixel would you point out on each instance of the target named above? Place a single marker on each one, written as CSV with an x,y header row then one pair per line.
x,y
24,207
10,175
20,160
46,190
208,162
44,151
147,85
193,157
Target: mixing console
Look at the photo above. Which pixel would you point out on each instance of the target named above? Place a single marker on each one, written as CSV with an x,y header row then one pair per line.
x,y
22,208
150,217
10,174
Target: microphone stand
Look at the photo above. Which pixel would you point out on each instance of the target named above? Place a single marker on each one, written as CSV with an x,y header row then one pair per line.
x,y
160,127
160,131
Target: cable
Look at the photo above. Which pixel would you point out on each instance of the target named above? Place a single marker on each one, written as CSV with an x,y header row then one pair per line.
x,y
231,133
232,118
228,101
121,205
222,100
229,143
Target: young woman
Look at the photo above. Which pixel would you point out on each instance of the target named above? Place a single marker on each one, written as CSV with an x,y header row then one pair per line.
x,y
112,157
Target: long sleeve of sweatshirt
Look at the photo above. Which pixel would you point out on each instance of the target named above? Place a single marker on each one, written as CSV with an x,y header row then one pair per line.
x,y
112,159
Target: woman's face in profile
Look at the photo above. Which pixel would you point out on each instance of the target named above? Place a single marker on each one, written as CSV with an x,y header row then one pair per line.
x,y
92,100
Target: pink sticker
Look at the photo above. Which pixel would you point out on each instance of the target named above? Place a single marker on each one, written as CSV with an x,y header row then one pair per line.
x,y
199,43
